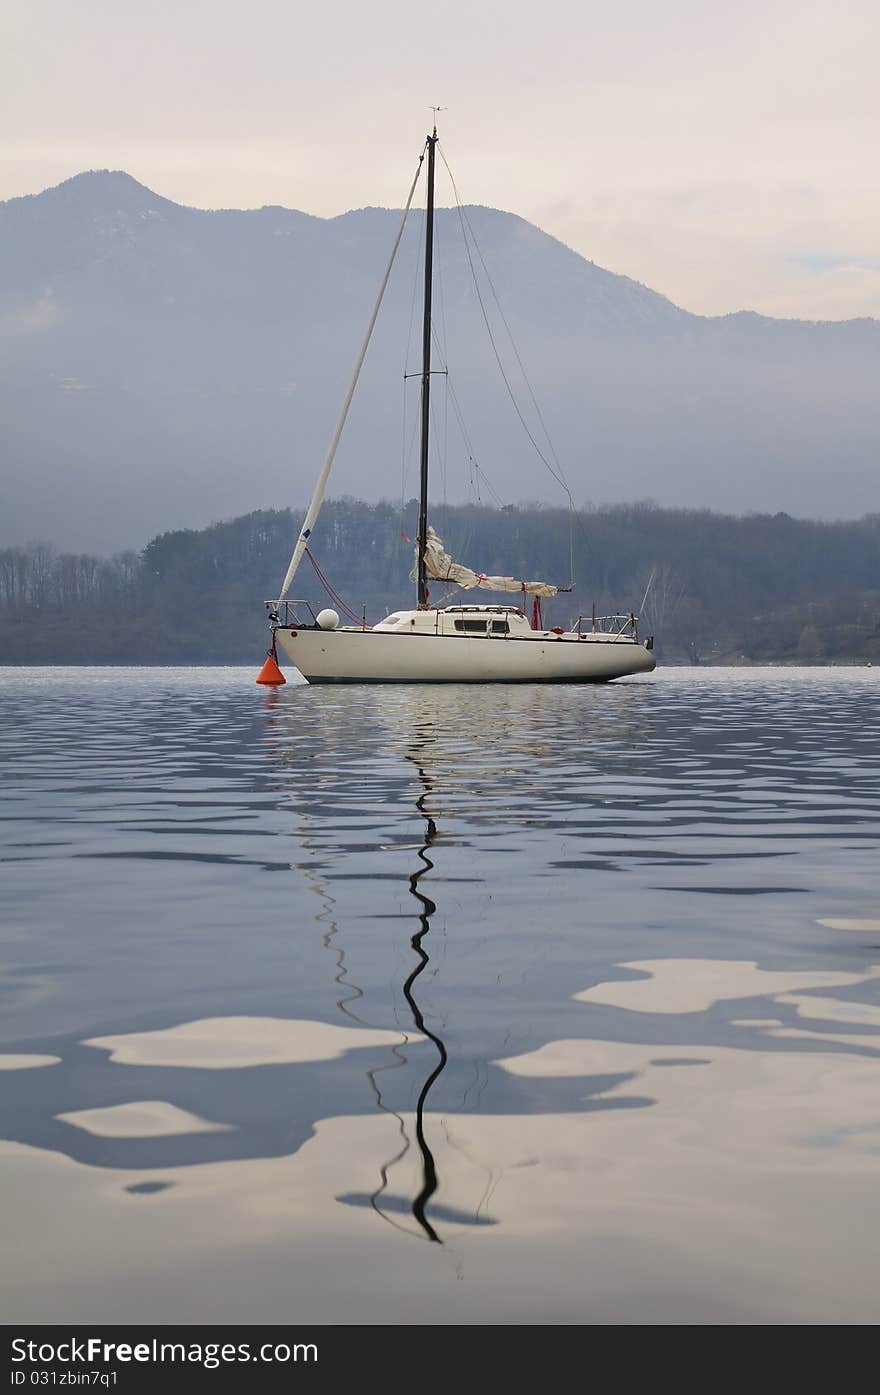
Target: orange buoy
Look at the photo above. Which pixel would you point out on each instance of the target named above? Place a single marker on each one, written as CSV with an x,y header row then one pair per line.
x,y
270,673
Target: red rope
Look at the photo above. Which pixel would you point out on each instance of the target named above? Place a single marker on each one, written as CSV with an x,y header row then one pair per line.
x,y
331,591
334,595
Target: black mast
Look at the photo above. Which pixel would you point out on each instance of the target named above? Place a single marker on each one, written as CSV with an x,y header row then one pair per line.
x,y
426,377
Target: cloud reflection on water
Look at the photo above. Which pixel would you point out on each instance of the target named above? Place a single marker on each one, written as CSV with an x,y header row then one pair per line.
x,y
691,1136
241,1043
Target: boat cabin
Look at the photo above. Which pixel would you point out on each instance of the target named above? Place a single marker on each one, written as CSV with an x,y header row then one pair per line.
x,y
497,620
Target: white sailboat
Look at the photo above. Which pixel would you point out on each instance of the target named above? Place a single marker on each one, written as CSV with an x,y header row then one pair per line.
x,y
460,643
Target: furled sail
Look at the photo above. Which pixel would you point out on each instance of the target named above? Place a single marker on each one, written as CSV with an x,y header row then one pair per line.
x,y
439,566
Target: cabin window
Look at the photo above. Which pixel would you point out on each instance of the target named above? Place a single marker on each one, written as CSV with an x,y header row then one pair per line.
x,y
471,627
500,627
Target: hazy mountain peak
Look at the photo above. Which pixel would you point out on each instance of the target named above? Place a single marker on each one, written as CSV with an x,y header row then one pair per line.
x,y
92,181
183,365
100,189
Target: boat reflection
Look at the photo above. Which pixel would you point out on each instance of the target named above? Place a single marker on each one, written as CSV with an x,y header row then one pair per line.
x,y
427,908
380,1200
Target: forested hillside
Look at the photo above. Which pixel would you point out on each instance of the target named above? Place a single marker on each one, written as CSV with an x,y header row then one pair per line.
x,y
725,589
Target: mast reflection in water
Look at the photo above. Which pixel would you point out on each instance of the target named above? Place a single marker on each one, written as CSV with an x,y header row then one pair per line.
x,y
427,908
380,1200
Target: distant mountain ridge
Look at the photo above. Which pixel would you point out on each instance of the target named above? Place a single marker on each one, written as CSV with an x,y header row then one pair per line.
x,y
164,366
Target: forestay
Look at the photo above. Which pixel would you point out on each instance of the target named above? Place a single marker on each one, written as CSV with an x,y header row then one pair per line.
x,y
318,496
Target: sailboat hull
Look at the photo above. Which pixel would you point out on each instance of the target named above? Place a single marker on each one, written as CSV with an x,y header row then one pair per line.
x,y
365,656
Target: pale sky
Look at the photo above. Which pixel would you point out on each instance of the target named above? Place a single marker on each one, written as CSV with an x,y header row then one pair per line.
x,y
725,155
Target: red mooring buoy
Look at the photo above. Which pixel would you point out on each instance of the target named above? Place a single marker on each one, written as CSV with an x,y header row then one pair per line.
x,y
270,673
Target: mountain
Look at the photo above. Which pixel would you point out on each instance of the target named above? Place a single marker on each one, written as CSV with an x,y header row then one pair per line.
x,y
166,366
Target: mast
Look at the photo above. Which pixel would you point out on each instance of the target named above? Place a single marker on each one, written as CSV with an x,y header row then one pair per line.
x,y
426,378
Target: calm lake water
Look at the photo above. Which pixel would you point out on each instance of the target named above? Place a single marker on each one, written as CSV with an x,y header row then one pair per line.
x,y
440,1004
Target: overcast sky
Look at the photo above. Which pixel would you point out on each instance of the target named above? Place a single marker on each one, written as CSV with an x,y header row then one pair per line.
x,y
725,155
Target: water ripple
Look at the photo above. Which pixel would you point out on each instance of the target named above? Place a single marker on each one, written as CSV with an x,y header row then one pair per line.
x,y
533,907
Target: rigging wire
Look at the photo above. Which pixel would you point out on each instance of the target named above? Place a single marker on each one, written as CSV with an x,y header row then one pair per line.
x,y
474,464
500,308
439,451
555,471
409,455
405,456
318,493
334,595
441,298
438,440
415,285
459,416
467,229
647,590
476,473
